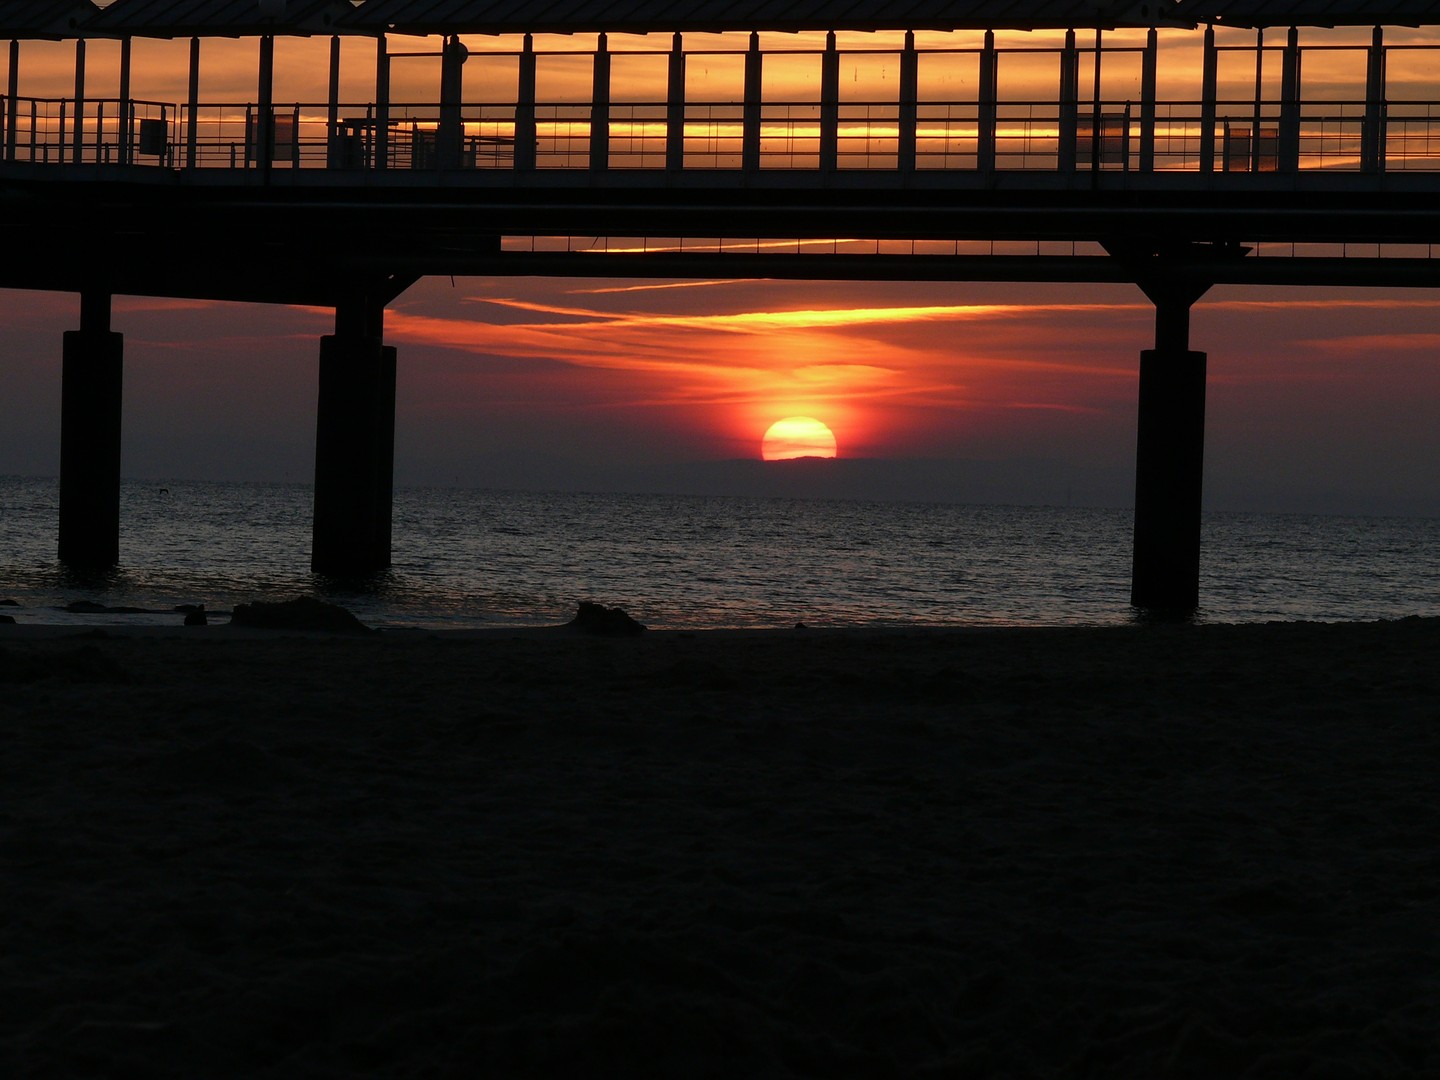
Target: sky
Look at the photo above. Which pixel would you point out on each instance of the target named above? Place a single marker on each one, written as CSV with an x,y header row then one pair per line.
x,y
1319,400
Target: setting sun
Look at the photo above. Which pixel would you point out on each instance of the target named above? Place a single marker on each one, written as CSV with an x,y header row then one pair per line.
x,y
797,437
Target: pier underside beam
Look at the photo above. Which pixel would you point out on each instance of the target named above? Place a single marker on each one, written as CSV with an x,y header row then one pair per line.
x,y
90,404
354,444
1169,459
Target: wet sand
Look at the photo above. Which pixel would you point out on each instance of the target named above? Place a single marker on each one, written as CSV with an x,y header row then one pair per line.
x,y
1139,851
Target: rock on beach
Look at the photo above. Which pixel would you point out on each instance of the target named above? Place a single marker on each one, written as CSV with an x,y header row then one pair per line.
x,y
301,613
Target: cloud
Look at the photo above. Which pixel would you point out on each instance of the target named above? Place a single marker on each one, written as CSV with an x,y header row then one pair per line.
x,y
1333,303
801,318
656,286
1375,343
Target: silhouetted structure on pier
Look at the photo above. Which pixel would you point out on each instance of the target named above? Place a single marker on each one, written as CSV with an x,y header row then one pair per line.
x,y
968,166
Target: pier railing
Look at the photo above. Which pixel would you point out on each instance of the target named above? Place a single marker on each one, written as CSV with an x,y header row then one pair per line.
x,y
1180,136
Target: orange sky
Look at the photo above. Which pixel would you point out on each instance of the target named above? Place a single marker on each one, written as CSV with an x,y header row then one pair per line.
x,y
1322,399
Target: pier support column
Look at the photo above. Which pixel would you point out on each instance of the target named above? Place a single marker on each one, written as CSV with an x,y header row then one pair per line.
x,y
354,444
90,402
1169,458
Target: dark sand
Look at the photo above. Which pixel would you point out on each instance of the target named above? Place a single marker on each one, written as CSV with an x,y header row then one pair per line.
x,y
1133,852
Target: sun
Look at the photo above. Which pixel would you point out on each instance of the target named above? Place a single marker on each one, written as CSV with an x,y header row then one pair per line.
x,y
797,437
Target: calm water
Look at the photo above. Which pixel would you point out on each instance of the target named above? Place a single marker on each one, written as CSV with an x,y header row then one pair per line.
x,y
484,558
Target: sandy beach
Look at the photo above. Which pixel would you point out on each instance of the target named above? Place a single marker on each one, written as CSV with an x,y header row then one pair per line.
x,y
1127,852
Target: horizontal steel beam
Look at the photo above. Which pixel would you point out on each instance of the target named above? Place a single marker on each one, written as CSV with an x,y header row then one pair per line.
x,y
303,246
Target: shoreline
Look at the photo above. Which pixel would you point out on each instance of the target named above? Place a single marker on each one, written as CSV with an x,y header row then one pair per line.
x,y
1138,621
1132,850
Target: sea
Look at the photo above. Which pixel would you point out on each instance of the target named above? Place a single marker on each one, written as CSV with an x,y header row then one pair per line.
x,y
476,559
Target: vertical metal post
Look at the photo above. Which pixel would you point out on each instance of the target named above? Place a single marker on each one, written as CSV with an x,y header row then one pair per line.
x,y
908,149
333,142
1255,156
988,105
1069,119
600,107
79,133
830,106
1148,67
525,130
450,139
1208,74
90,416
265,109
1373,135
1290,104
382,104
1097,117
192,134
126,119
675,108
754,91
12,101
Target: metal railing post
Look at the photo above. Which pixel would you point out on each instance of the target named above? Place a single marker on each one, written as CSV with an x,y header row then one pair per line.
x,y
12,101
125,111
989,106
1148,69
1259,94
908,150
1097,123
1069,104
830,106
525,128
1290,105
600,108
382,104
265,106
192,133
754,90
79,133
333,143
1209,70
675,108
1372,139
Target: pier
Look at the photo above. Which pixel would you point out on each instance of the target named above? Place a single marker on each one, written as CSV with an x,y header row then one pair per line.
x,y
1172,146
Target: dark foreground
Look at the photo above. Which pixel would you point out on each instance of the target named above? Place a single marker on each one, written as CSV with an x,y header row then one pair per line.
x,y
1151,851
